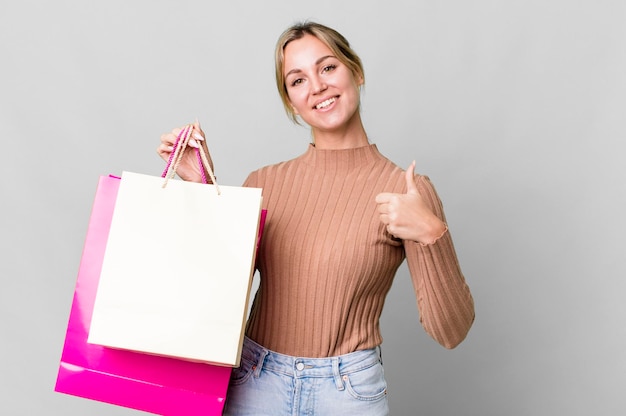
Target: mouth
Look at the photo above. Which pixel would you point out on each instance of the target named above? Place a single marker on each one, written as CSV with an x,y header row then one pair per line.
x,y
326,103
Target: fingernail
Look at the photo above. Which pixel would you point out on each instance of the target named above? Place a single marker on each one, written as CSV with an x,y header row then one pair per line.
x,y
198,136
197,122
170,148
193,143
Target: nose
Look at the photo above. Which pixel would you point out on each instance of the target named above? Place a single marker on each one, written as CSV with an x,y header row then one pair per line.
x,y
318,85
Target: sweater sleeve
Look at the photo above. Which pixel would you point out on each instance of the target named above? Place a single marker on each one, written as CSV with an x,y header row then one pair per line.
x,y
444,300
251,180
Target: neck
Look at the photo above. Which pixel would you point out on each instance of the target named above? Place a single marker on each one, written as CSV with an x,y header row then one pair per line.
x,y
348,136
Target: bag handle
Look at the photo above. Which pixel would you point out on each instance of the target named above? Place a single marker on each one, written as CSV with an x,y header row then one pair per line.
x,y
176,156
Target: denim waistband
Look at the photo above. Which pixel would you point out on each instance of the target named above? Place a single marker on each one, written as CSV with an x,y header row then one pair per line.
x,y
300,367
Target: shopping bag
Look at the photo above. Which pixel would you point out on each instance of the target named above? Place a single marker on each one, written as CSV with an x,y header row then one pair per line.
x,y
178,268
150,383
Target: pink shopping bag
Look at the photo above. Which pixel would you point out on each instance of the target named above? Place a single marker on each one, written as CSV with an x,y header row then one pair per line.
x,y
154,384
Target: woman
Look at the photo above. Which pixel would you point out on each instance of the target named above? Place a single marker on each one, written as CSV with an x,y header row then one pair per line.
x,y
341,219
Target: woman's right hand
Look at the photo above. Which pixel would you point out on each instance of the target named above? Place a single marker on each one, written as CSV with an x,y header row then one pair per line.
x,y
189,168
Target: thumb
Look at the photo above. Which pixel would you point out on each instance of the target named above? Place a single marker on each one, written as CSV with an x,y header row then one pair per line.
x,y
411,186
196,127
199,134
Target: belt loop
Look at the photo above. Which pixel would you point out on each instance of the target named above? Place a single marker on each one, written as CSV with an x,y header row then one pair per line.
x,y
336,375
259,365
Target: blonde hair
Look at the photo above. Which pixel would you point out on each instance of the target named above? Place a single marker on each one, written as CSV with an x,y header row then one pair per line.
x,y
335,41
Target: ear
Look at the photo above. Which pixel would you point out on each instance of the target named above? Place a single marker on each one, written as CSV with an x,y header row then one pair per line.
x,y
360,79
293,107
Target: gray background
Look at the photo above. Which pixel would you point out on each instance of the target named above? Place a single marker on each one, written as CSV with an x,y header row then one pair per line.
x,y
515,109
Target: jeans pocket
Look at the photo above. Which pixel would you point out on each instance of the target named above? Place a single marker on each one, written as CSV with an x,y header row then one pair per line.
x,y
368,384
241,374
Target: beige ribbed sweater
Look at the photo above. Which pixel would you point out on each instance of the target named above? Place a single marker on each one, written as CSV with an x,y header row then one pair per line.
x,y
327,262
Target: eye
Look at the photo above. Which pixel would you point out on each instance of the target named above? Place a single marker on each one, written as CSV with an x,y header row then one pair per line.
x,y
296,82
329,68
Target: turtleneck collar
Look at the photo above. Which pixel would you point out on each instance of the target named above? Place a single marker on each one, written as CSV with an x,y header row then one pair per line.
x,y
341,158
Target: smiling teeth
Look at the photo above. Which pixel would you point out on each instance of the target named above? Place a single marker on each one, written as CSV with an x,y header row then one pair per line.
x,y
326,103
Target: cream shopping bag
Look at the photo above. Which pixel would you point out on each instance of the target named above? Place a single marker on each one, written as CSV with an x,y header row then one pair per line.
x,y
177,270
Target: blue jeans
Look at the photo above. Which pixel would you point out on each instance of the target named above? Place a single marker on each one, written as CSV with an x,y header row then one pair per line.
x,y
273,384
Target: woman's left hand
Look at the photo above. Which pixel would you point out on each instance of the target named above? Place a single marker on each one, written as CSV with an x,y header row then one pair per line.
x,y
407,216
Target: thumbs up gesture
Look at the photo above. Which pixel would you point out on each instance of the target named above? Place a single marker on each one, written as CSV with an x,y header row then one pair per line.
x,y
407,216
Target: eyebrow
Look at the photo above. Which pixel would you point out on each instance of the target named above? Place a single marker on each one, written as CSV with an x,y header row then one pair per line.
x,y
319,61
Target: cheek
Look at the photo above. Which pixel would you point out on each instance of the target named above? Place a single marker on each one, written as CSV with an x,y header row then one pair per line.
x,y
296,98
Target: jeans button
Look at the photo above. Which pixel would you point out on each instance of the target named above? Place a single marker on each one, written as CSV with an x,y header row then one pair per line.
x,y
300,366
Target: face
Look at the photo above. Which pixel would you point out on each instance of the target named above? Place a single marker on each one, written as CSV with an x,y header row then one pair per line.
x,y
322,90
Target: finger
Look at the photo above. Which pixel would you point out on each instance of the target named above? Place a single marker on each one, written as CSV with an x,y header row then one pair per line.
x,y
166,147
164,150
383,197
168,139
198,134
383,209
411,186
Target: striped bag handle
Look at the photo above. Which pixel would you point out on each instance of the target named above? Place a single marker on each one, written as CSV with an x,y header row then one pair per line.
x,y
176,156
